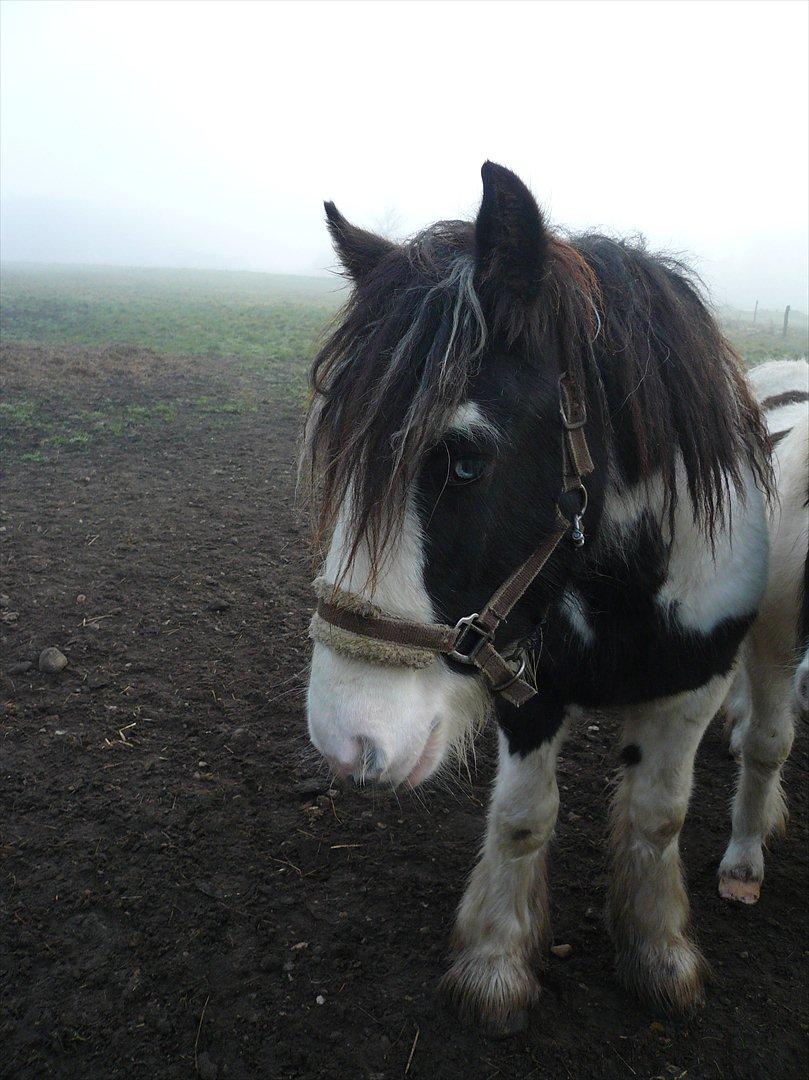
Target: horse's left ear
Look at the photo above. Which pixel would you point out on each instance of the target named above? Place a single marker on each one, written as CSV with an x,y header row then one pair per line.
x,y
359,251
510,236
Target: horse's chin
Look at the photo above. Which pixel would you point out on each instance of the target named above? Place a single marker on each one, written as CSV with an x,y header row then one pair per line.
x,y
429,759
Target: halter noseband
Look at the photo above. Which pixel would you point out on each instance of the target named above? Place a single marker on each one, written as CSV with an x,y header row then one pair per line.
x,y
352,625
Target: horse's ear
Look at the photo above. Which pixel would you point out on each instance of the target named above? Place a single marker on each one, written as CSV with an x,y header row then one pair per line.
x,y
359,251
510,236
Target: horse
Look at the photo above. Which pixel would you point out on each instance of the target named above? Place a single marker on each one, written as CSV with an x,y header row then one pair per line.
x,y
546,443
772,679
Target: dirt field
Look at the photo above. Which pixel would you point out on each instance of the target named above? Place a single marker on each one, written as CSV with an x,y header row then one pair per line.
x,y
182,892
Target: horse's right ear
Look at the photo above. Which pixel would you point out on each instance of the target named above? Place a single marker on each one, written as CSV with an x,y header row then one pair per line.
x,y
359,251
510,237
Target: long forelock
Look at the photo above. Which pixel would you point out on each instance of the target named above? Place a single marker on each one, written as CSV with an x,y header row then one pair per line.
x,y
389,379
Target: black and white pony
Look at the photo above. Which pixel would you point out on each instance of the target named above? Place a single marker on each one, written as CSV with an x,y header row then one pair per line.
x,y
436,443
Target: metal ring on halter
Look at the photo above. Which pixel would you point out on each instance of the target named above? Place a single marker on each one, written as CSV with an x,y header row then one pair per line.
x,y
579,490
582,491
509,682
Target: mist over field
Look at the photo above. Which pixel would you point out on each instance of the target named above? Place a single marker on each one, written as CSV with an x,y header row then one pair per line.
x,y
207,135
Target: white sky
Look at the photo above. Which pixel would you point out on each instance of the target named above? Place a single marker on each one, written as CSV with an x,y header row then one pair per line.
x,y
207,134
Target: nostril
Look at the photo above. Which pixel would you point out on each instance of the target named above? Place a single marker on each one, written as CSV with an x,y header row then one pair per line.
x,y
371,763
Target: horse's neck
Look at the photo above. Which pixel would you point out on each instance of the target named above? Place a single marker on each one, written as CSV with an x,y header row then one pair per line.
x,y
675,564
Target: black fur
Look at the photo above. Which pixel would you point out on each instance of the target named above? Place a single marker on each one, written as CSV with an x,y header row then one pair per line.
x,y
360,252
511,242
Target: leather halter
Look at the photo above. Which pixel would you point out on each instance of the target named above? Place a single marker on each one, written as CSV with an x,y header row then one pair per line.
x,y
470,641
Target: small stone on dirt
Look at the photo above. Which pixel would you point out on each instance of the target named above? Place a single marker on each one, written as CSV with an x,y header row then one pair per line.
x,y
562,951
81,598
308,789
217,605
5,600
52,661
207,1069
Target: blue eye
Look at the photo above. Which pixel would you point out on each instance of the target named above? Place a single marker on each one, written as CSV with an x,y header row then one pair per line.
x,y
465,470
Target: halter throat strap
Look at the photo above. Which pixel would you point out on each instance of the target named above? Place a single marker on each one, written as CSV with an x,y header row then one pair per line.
x,y
351,624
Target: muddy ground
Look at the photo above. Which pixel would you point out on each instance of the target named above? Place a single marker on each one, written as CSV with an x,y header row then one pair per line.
x,y
182,891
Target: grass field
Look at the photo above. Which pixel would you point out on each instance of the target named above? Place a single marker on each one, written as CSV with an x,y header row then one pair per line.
x,y
269,319
263,319
259,329
262,328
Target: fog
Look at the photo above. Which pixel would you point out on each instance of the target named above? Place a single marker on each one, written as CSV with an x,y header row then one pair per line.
x,y
207,135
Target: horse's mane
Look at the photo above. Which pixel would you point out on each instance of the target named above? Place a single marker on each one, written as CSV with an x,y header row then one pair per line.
x,y
632,324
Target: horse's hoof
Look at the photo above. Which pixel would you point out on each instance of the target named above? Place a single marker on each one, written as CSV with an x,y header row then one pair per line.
x,y
671,975
516,1023
743,892
491,992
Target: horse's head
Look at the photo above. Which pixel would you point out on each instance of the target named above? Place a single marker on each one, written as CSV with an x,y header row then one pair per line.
x,y
435,440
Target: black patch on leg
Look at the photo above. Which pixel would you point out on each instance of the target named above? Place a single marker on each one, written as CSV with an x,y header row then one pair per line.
x,y
527,728
631,755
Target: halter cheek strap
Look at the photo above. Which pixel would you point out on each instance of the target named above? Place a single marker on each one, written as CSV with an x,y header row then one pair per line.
x,y
352,625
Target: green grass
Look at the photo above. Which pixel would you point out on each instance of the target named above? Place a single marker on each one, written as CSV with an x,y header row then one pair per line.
x,y
268,320
23,422
269,323
764,339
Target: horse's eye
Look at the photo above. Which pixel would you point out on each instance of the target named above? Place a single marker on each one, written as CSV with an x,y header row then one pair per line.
x,y
465,470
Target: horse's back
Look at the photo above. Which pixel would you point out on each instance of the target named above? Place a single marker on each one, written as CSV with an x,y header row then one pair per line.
x,y
782,388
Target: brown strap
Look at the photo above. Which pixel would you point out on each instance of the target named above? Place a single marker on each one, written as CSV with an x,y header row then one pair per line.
x,y
501,676
573,411
514,588
436,636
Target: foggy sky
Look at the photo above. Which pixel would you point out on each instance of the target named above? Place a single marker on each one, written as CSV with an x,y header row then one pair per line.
x,y
208,134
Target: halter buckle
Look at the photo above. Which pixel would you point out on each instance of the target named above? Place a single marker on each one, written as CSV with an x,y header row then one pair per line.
x,y
464,627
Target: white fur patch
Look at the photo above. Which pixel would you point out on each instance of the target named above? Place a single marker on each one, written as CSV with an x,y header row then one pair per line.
x,y
777,377
469,420
573,608
789,519
388,723
705,588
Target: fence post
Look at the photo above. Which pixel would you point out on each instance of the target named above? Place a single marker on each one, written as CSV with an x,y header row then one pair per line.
x,y
755,313
786,321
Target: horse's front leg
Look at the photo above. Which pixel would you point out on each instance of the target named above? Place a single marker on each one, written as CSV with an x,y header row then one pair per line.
x,y
503,923
647,909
